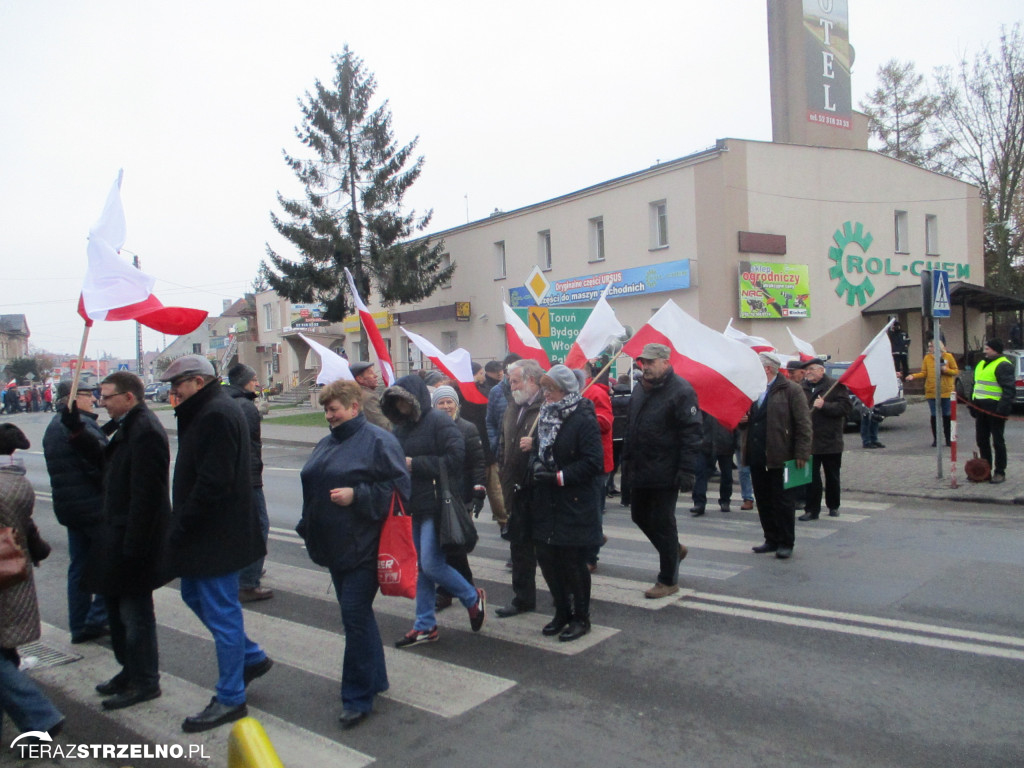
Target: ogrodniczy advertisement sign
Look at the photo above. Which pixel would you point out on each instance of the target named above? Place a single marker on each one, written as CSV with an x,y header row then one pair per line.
x,y
654,278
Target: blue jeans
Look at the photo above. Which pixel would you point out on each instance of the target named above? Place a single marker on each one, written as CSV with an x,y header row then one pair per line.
x,y
85,612
133,637
21,699
249,577
868,430
214,600
746,484
363,672
435,570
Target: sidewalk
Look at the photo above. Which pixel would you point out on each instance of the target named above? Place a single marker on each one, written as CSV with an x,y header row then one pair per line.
x,y
905,467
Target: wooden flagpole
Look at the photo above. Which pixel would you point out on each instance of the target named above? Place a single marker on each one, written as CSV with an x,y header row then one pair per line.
x,y
78,366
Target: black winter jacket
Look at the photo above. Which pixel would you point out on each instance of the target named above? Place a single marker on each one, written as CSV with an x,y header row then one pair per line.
x,y
428,437
569,515
368,459
77,483
828,421
663,433
474,466
247,400
215,529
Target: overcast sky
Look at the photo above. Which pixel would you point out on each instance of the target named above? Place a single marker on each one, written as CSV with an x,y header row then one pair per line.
x,y
513,104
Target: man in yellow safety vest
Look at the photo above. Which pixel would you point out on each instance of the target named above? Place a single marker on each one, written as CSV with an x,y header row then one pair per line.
x,y
992,401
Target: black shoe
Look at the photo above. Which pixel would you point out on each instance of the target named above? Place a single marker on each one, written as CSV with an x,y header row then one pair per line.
x,y
697,511
554,626
131,696
90,633
574,631
784,553
766,547
833,513
808,516
441,602
725,506
259,669
877,444
508,611
504,532
613,491
117,684
350,718
998,477
215,714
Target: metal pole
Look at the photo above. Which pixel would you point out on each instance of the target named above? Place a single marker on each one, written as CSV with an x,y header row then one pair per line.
x,y
138,335
939,435
952,440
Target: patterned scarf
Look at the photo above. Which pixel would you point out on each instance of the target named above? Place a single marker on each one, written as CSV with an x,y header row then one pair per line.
x,y
551,417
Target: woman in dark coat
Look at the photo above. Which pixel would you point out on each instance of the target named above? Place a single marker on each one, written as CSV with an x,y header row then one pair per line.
x,y
429,439
565,515
347,486
20,698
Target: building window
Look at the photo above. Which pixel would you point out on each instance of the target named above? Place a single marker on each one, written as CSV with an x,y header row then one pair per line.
x,y
659,225
197,349
499,260
931,235
900,224
597,239
446,261
544,250
268,317
449,341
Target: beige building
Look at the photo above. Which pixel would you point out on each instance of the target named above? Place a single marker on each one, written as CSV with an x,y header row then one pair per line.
x,y
14,335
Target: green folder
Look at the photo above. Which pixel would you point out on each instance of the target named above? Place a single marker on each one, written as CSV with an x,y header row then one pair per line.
x,y
792,476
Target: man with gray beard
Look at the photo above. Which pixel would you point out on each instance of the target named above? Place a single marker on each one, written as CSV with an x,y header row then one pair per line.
x,y
514,465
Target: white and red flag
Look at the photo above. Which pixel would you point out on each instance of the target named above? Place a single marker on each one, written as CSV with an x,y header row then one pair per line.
x,y
725,372
332,365
521,340
387,370
601,329
458,365
113,289
756,343
872,376
805,350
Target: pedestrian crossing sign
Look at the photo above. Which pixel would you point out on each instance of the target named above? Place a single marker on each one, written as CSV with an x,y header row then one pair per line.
x,y
940,293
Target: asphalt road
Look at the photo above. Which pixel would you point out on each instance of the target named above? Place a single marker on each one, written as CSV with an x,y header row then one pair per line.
x,y
891,638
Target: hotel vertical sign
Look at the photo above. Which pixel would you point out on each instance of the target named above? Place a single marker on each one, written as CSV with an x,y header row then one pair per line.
x,y
828,60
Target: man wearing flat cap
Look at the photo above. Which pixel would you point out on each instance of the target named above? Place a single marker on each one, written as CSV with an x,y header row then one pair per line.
x,y
663,440
778,429
366,378
215,532
991,403
830,406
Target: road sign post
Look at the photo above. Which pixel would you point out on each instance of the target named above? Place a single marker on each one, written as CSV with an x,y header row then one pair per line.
x,y
940,309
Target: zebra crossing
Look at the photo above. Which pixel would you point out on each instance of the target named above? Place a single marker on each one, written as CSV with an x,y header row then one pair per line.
x,y
719,549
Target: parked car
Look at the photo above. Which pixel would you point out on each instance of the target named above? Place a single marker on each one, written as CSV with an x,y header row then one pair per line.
x,y
158,391
965,381
894,406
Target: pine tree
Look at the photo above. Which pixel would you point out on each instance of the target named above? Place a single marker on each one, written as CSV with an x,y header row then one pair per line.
x,y
901,114
352,212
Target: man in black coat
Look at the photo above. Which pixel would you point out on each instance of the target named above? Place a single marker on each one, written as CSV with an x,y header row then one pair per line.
x,y
214,530
77,486
663,440
241,386
830,405
124,561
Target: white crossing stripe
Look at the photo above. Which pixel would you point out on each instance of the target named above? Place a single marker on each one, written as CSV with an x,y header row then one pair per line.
x,y
522,630
159,720
434,686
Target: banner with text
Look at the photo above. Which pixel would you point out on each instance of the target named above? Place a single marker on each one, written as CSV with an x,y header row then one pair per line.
x,y
770,290
653,278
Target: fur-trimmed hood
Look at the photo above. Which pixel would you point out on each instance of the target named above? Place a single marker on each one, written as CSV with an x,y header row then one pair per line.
x,y
410,389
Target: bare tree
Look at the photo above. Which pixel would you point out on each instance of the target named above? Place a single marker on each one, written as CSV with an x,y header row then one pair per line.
x,y
981,114
900,111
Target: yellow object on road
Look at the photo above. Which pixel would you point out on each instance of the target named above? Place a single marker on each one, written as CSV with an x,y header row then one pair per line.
x,y
250,747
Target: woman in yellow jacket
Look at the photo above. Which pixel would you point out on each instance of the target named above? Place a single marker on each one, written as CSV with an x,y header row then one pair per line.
x,y
949,374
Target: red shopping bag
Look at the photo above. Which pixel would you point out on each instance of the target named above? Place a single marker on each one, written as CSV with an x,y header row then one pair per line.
x,y
396,557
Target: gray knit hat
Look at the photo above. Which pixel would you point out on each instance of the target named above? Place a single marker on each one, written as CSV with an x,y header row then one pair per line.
x,y
442,392
563,378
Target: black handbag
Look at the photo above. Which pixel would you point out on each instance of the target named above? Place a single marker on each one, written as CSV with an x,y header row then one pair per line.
x,y
456,533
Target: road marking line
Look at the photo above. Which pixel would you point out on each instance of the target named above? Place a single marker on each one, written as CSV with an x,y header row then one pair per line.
x,y
434,686
159,720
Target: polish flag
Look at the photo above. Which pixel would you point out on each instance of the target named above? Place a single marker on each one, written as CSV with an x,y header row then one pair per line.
x,y
387,370
725,372
332,365
805,350
113,289
458,365
521,340
600,330
756,343
872,376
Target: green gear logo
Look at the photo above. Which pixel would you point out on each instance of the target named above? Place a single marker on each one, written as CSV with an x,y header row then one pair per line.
x,y
851,233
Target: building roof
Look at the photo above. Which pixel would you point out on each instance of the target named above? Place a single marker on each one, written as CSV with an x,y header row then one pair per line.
x,y
907,298
13,324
